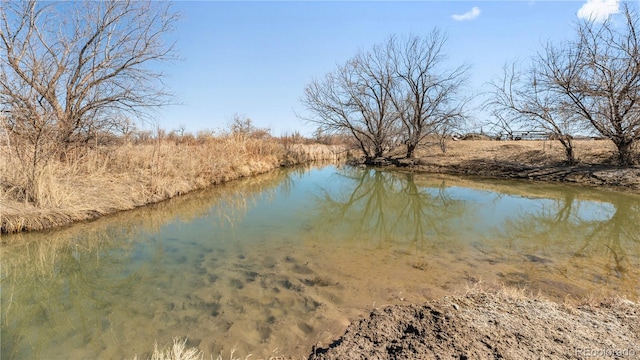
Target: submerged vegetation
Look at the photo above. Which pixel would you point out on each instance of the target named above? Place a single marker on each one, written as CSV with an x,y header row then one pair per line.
x,y
263,263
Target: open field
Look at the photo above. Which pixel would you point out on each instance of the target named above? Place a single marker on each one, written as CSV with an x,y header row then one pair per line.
x,y
523,152
535,160
107,179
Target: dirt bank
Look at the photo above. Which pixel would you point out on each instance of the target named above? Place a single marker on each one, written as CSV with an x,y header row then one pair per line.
x,y
492,325
623,179
532,160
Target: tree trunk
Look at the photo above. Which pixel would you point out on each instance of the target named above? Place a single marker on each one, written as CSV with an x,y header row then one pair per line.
x,y
566,142
625,152
571,159
410,149
379,150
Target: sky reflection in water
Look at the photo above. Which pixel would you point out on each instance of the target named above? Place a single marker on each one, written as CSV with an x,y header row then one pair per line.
x,y
287,259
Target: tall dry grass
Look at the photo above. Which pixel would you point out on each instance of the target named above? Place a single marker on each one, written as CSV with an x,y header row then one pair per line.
x,y
179,351
101,180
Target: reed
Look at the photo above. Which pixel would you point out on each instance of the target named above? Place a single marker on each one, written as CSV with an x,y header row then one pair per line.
x,y
305,153
100,180
178,351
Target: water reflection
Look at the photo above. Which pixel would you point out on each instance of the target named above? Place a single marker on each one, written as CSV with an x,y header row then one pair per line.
x,y
81,291
387,207
42,280
560,240
569,245
287,259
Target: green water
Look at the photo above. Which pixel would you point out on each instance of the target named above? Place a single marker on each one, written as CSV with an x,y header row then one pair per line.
x,y
286,260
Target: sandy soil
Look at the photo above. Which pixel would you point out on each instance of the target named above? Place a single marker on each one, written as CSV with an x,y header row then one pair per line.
x,y
492,325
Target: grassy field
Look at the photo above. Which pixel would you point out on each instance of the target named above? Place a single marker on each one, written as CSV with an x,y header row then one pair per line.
x,y
524,152
106,179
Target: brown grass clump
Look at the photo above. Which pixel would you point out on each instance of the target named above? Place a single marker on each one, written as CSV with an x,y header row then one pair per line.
x,y
104,179
178,351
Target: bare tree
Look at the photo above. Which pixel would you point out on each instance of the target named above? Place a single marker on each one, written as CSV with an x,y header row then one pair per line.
x,y
597,77
519,100
71,72
73,66
355,99
607,91
426,95
396,92
243,128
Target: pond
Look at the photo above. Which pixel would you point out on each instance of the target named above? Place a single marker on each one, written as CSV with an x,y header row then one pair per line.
x,y
283,261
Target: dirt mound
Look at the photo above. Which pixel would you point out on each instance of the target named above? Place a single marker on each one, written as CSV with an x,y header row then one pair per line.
x,y
492,326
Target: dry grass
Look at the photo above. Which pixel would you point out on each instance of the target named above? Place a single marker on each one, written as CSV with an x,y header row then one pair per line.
x,y
538,160
178,351
305,153
107,179
525,152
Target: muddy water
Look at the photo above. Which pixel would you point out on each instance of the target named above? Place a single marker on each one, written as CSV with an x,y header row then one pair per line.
x,y
283,261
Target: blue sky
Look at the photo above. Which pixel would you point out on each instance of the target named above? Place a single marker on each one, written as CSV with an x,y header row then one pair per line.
x,y
255,58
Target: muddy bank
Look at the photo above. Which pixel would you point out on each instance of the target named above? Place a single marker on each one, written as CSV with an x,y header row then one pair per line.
x,y
492,325
534,160
529,160
624,179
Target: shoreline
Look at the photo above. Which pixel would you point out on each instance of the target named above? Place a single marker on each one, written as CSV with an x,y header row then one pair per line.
x,y
491,325
535,160
503,323
412,330
485,324
623,179
518,160
149,177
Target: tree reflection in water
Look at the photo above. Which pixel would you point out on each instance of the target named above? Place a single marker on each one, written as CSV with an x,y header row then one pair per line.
x,y
214,264
558,239
563,240
388,207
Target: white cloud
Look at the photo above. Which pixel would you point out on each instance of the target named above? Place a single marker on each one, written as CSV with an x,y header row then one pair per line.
x,y
599,10
469,15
